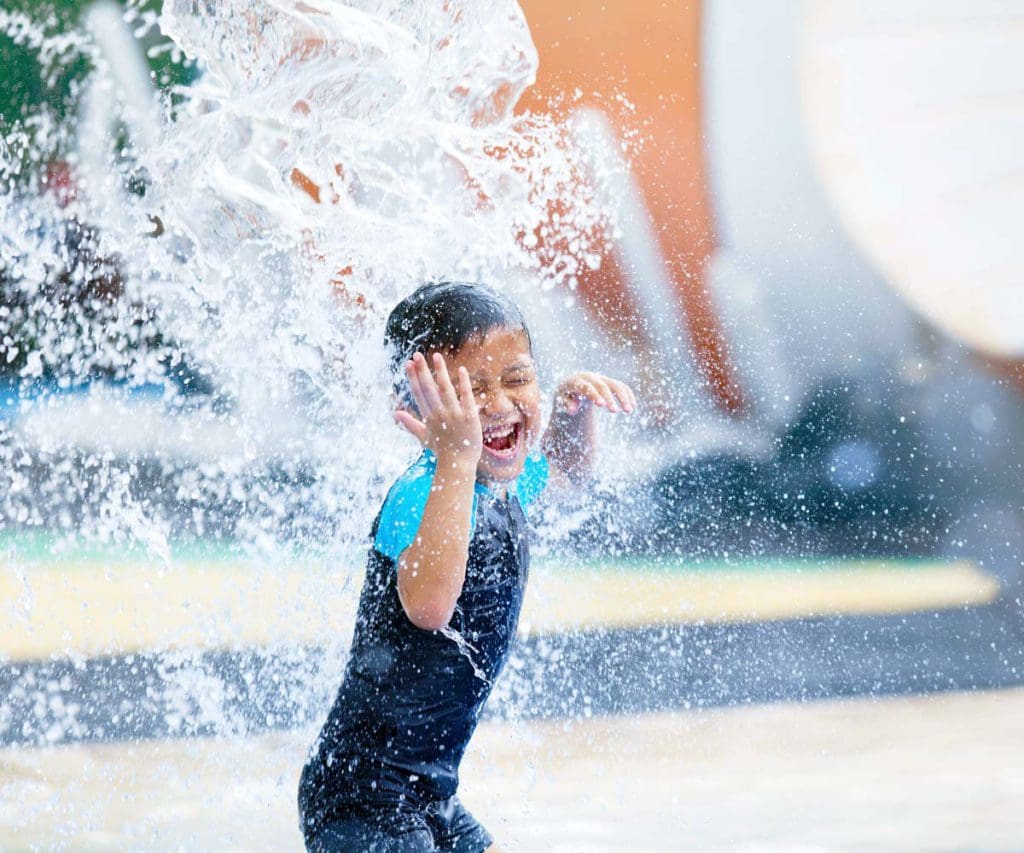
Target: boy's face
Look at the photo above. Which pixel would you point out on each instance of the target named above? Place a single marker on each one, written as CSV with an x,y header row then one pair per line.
x,y
504,378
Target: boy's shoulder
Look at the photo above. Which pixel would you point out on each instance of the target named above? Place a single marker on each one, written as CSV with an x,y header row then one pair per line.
x,y
533,480
417,477
402,512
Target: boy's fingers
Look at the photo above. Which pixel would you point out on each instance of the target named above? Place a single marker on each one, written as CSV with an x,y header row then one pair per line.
x,y
466,393
600,390
606,393
622,394
412,373
444,383
412,425
586,389
427,384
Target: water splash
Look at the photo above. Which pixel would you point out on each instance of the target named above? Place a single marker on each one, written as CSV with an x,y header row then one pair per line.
x,y
466,649
229,263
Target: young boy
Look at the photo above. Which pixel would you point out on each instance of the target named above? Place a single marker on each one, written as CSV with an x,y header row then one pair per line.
x,y
446,573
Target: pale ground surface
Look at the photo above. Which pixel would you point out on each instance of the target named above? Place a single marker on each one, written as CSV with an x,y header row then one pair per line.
x,y
925,773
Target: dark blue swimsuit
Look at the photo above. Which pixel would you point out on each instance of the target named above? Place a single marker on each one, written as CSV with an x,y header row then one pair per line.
x,y
390,750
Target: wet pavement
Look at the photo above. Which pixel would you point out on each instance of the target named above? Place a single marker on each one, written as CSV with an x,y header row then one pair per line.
x,y
924,773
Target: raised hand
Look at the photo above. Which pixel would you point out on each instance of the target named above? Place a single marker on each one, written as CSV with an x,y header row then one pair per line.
x,y
449,422
569,440
432,570
577,390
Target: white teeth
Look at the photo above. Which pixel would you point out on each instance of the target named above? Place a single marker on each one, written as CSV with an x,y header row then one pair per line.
x,y
499,432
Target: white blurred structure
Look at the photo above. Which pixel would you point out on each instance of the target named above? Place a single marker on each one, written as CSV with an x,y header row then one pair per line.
x,y
914,111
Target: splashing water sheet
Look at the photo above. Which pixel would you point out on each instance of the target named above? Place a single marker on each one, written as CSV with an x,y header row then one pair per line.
x,y
195,289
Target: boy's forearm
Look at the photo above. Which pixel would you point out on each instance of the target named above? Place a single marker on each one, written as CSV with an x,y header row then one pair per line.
x,y
432,570
570,439
570,443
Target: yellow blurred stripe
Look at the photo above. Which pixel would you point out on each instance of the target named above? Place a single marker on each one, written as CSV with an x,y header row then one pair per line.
x,y
91,608
627,598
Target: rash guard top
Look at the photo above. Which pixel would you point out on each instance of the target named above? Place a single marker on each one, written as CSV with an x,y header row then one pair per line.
x,y
410,699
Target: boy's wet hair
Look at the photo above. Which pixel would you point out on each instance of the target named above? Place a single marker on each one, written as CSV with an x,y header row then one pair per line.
x,y
443,317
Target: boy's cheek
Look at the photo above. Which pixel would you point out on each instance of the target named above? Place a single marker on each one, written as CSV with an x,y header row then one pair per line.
x,y
533,423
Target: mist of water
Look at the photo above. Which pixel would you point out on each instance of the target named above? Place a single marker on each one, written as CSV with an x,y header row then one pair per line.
x,y
219,266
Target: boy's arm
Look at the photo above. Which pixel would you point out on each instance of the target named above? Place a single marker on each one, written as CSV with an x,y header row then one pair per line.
x,y
432,570
569,440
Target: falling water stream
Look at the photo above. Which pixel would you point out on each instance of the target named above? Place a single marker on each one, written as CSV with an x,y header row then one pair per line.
x,y
217,279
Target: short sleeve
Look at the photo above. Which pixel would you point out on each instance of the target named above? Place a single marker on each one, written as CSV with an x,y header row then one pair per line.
x,y
533,480
402,512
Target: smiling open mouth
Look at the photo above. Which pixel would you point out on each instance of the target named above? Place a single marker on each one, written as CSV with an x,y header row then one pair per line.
x,y
503,442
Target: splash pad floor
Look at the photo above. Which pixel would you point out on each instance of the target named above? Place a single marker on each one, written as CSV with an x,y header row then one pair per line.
x,y
929,773
637,646
98,649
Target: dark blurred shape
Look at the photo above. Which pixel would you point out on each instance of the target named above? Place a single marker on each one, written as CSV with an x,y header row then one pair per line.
x,y
81,297
850,476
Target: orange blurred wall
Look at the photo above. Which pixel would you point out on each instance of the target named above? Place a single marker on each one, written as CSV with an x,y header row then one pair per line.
x,y
638,62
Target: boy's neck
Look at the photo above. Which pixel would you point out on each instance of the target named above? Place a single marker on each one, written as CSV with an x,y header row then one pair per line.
x,y
499,490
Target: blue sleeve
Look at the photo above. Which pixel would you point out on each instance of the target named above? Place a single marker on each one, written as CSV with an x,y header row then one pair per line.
x,y
533,480
402,512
